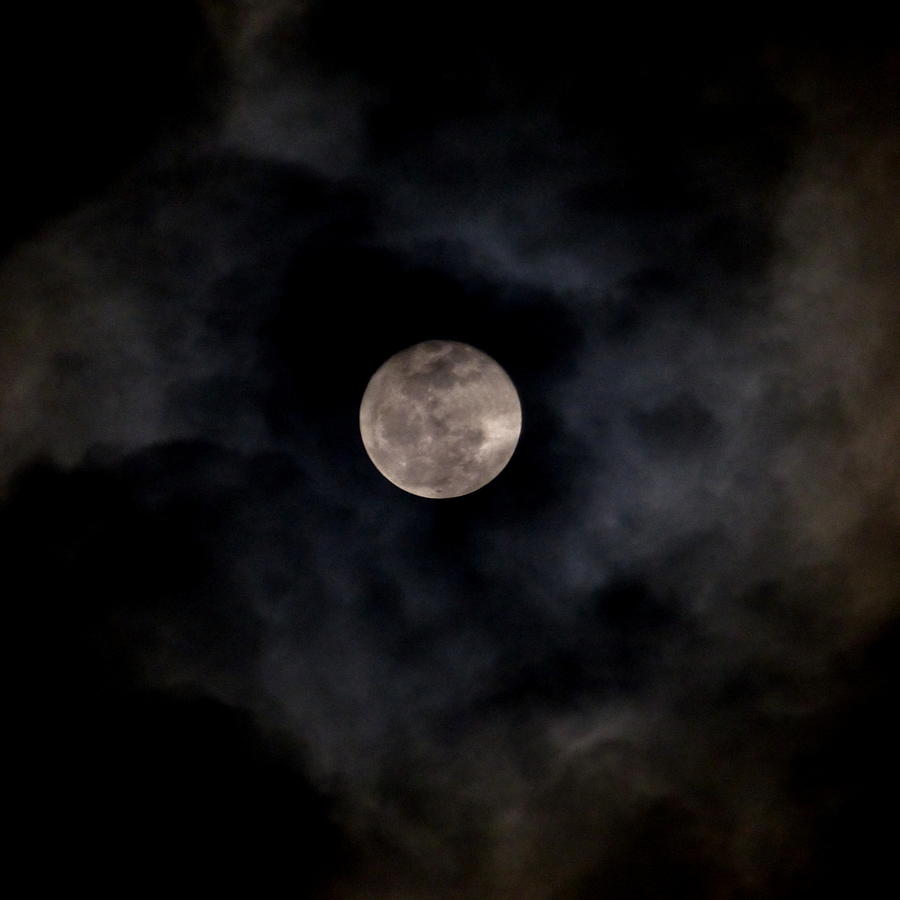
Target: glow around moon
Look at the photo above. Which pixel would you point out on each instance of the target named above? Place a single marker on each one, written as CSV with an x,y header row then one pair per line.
x,y
440,419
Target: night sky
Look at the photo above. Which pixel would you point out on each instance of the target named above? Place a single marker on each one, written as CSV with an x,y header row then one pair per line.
x,y
657,657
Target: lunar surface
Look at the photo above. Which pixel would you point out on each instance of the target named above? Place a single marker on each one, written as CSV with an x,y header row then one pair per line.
x,y
440,419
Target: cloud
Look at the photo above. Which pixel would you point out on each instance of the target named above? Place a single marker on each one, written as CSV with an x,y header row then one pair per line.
x,y
602,672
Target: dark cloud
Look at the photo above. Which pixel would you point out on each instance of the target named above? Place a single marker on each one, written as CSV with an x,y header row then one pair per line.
x,y
83,107
133,646
654,656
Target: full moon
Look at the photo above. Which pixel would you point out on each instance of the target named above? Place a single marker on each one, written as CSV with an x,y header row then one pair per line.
x,y
440,419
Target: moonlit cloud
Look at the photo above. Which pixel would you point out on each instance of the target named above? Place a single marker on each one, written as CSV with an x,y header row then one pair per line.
x,y
630,666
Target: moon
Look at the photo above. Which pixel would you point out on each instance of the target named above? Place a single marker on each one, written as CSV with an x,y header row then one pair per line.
x,y
440,419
